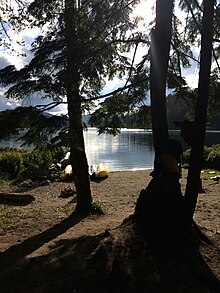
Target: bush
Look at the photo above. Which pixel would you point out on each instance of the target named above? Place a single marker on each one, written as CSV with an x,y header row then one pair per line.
x,y
211,156
17,164
35,162
58,153
212,161
10,163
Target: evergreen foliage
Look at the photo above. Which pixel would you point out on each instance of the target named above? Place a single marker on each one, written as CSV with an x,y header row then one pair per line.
x,y
82,45
101,41
40,128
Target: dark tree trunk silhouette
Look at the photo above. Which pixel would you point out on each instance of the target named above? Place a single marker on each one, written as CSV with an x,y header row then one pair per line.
x,y
77,148
196,156
160,47
158,206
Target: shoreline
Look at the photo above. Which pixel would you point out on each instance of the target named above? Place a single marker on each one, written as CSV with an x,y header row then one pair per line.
x,y
132,170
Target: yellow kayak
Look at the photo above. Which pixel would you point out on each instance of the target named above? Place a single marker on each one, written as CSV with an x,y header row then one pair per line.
x,y
68,172
101,170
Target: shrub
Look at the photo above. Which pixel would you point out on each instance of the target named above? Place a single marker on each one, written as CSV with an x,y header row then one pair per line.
x,y
10,163
211,156
98,208
17,164
34,162
58,153
213,159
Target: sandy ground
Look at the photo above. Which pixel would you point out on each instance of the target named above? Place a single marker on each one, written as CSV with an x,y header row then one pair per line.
x,y
117,194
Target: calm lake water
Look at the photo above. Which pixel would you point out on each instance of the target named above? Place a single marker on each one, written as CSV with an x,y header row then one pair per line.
x,y
130,150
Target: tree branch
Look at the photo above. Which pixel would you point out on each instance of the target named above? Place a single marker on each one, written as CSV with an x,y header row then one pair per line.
x,y
216,59
120,89
49,106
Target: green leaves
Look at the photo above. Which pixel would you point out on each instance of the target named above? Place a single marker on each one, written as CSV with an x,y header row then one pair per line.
x,y
102,37
39,128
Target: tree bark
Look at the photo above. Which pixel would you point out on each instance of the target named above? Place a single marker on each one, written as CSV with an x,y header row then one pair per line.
x,y
77,147
196,157
160,47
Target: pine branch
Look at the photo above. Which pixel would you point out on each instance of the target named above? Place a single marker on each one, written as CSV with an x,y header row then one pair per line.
x,y
216,59
49,106
120,89
184,54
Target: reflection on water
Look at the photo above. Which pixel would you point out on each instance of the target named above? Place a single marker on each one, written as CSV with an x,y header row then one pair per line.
x,y
130,149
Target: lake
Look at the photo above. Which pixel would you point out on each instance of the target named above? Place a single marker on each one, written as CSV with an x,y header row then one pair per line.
x,y
130,150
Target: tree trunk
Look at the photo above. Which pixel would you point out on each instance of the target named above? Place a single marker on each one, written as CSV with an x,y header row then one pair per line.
x,y
77,148
160,47
196,157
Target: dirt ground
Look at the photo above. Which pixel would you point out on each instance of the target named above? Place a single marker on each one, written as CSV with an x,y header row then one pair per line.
x,y
117,194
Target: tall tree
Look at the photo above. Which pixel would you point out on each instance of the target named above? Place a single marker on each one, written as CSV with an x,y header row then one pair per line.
x,y
77,148
138,85
81,48
160,49
196,156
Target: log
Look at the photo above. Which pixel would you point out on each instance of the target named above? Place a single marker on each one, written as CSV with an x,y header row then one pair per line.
x,y
15,197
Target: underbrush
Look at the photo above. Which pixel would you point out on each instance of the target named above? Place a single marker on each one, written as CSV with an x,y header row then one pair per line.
x,y
211,157
17,164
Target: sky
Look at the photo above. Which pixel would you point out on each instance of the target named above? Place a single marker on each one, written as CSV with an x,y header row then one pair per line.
x,y
15,58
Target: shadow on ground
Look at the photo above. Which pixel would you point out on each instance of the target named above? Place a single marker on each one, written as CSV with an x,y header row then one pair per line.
x,y
118,260
19,252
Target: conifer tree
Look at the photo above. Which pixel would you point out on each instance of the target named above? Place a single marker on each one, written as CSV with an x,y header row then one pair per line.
x,y
81,47
196,157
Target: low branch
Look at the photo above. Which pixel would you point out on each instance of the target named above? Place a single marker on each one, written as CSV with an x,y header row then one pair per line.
x,y
84,99
184,54
50,106
120,89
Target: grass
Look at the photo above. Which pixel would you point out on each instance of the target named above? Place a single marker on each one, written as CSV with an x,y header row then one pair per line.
x,y
5,183
98,208
68,209
12,217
